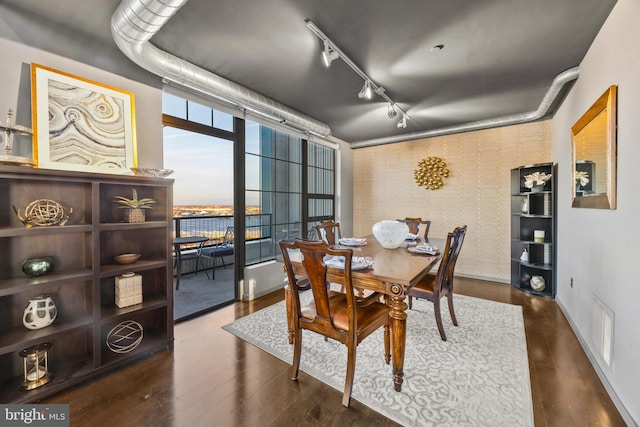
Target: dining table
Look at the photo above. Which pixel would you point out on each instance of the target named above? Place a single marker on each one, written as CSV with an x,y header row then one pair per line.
x,y
393,273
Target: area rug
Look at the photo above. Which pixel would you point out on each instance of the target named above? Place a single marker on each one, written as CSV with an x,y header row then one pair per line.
x,y
478,377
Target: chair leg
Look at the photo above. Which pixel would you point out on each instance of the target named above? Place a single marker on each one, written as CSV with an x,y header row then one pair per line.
x,y
289,304
451,311
410,302
436,310
297,348
351,370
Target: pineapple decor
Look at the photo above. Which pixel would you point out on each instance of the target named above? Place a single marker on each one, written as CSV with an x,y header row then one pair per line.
x,y
134,207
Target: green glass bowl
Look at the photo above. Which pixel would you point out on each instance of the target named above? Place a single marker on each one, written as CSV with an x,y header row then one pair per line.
x,y
34,267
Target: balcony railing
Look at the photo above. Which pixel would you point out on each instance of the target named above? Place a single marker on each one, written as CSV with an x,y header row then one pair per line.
x,y
214,226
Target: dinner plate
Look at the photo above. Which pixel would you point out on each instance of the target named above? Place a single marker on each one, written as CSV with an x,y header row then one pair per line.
x,y
353,241
412,236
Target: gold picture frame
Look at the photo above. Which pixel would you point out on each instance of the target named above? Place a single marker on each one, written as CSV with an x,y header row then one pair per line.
x,y
81,125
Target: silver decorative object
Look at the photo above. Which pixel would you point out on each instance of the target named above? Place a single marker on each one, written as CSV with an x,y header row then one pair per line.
x,y
125,336
9,129
43,213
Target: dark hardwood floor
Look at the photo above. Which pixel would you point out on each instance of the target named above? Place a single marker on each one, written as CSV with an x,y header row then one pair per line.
x,y
212,378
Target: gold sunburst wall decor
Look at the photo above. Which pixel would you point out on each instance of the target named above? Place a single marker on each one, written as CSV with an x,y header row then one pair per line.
x,y
431,173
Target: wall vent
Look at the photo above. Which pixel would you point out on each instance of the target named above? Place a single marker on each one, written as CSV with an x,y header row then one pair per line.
x,y
602,330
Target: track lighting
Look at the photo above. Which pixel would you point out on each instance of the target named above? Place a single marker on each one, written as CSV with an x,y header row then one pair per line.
x,y
328,55
366,90
331,52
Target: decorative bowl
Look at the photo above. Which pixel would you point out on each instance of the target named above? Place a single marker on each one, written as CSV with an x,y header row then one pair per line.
x,y
34,267
127,258
152,172
390,234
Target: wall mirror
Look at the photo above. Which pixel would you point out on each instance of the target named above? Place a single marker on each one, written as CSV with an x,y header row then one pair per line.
x,y
593,140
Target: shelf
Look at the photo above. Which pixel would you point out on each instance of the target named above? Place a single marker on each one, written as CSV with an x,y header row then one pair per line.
x,y
19,337
82,281
15,285
530,212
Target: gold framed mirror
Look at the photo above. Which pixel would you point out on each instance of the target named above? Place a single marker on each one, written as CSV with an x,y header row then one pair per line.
x,y
593,156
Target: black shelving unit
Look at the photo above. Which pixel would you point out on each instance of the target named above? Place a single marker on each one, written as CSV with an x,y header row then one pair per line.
x,y
533,210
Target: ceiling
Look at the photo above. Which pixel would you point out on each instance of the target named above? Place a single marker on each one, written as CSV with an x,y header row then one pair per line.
x,y
499,56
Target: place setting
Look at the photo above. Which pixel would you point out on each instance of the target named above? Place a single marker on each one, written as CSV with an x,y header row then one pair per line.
x,y
357,262
352,241
425,248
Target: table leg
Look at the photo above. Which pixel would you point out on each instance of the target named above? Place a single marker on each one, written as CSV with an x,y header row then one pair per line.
x,y
398,326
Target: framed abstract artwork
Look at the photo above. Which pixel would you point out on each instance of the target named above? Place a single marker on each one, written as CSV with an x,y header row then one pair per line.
x,y
81,125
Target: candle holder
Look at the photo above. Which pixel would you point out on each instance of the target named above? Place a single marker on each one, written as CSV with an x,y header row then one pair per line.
x,y
35,361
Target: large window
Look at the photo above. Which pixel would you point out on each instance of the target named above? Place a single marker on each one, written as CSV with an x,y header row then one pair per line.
x,y
290,183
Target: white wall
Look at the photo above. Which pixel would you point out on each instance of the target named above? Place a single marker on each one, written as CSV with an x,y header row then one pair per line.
x,y
597,248
15,93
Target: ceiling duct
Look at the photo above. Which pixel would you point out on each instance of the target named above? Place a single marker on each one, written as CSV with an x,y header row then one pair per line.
x,y
134,23
551,95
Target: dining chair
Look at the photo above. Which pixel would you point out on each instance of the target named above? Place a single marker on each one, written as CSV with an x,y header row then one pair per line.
x,y
329,232
414,225
222,249
336,315
433,287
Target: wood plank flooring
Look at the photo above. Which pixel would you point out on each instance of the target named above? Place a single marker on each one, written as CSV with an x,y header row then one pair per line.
x,y
212,378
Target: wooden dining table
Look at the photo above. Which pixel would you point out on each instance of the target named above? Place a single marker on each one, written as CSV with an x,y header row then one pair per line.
x,y
393,273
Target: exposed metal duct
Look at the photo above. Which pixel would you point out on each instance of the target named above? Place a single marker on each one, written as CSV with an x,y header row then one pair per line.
x,y
134,23
551,95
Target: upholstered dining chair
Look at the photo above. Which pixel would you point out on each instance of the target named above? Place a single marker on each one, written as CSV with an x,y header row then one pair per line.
x,y
337,315
414,225
433,287
329,232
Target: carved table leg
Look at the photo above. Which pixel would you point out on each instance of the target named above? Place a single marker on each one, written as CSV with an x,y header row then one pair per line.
x,y
398,326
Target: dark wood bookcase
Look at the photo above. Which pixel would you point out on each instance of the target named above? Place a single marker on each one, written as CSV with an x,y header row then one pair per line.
x,y
82,282
533,210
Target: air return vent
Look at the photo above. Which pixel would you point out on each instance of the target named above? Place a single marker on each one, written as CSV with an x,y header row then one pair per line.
x,y
602,330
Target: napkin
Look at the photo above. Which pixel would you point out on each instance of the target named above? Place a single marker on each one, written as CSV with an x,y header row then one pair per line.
x,y
338,261
411,236
425,247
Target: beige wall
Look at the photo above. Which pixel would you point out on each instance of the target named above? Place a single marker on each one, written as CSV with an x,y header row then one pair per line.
x,y
477,192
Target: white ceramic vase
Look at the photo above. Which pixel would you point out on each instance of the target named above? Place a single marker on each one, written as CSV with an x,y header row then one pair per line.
x,y
390,234
40,312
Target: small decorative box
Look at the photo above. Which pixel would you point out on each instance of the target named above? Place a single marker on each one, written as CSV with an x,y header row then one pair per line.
x,y
128,290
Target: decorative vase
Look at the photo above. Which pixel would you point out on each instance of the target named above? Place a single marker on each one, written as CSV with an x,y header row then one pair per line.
x,y
524,205
537,283
34,267
525,256
40,312
134,215
537,188
390,234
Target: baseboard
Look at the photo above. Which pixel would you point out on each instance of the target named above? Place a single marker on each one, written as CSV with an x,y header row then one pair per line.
x,y
603,378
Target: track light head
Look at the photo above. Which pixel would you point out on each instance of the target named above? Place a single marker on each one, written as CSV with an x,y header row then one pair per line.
x,y
366,91
392,113
403,123
328,54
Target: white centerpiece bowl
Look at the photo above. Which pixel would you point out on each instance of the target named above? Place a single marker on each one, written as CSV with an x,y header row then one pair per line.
x,y
390,234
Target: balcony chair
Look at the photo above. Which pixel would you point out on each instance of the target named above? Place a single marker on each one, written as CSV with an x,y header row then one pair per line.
x,y
222,249
414,226
340,316
329,232
434,287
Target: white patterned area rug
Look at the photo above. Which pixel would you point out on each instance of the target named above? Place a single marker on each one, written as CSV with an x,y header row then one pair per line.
x,y
478,377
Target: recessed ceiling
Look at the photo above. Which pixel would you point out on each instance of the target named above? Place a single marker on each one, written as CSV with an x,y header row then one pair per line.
x,y
499,57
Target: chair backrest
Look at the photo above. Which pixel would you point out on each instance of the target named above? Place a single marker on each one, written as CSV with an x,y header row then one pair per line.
x,y
310,255
414,225
444,276
229,235
329,232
